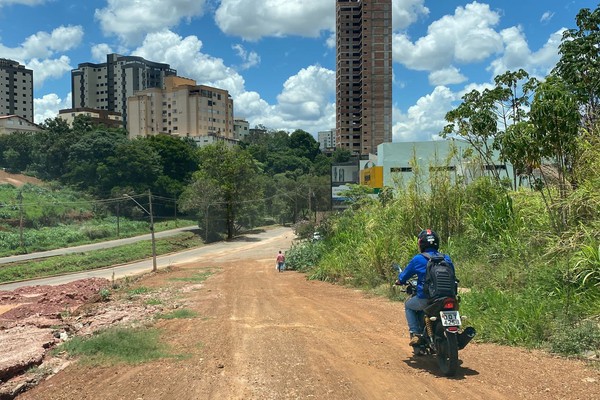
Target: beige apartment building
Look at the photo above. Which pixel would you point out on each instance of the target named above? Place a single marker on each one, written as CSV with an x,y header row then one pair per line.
x,y
181,108
16,89
363,75
109,119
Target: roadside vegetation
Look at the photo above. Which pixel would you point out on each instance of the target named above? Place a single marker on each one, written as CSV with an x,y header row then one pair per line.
x,y
118,345
526,247
78,262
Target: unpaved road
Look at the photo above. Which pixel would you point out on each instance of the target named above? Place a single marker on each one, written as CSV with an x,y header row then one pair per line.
x,y
260,334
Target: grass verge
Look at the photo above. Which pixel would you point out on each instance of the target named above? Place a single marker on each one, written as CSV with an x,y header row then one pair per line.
x,y
182,313
96,259
118,345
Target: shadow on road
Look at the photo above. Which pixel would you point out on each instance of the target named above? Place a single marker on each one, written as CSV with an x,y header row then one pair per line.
x,y
429,364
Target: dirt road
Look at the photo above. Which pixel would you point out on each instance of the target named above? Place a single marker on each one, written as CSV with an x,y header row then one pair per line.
x,y
260,334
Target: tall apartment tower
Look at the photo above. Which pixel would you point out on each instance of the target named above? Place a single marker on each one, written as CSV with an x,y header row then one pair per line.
x,y
16,89
363,75
106,86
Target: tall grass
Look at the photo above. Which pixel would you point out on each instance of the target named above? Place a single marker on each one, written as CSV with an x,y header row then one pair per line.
x,y
527,282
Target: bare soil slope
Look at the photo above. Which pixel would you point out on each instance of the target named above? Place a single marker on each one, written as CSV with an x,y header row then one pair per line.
x,y
260,334
17,180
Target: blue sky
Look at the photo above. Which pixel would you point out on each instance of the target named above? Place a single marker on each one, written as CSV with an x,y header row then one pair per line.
x,y
276,57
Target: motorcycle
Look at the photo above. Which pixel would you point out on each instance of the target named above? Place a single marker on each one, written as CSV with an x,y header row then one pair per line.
x,y
442,333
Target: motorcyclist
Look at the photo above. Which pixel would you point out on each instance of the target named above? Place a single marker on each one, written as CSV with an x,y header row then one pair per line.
x,y
428,241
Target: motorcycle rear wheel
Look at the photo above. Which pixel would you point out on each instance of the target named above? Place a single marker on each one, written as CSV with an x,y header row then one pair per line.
x,y
447,353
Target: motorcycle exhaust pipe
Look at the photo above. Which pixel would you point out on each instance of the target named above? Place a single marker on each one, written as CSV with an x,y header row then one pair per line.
x,y
465,337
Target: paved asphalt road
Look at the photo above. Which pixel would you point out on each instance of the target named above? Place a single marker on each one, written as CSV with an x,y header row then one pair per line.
x,y
93,246
136,268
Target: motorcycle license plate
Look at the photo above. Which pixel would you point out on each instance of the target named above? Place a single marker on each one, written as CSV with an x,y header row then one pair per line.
x,y
450,318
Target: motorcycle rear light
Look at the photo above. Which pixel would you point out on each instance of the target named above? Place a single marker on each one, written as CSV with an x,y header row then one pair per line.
x,y
449,304
452,329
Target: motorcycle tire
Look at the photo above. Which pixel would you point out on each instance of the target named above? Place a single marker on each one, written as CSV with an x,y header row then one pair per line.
x,y
447,353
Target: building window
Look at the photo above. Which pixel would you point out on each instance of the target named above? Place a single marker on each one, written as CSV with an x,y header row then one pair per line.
x,y
443,168
401,169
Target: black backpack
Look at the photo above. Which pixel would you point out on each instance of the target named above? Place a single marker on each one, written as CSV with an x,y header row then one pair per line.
x,y
440,280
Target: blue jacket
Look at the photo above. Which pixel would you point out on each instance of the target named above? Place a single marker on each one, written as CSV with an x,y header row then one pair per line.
x,y
418,266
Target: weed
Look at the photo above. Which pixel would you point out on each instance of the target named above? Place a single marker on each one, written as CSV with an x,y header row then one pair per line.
x,y
105,294
116,345
576,339
138,291
153,302
196,278
181,313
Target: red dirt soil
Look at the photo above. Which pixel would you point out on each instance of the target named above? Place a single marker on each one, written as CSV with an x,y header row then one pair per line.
x,y
260,334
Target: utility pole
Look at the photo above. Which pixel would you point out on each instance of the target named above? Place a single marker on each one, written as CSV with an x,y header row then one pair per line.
x,y
20,198
152,231
175,211
118,213
151,225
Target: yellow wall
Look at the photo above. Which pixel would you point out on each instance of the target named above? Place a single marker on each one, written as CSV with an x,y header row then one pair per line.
x,y
372,177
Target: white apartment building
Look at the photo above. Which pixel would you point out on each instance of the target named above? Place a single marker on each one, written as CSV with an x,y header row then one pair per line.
x,y
107,86
181,108
326,139
241,129
16,89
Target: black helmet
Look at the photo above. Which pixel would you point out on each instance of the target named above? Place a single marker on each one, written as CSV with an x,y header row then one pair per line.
x,y
428,240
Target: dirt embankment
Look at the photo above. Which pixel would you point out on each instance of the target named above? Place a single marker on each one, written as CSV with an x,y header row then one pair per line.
x,y
17,180
260,334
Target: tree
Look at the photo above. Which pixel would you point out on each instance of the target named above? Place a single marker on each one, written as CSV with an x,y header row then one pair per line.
x,y
475,120
179,160
52,152
89,154
341,155
135,165
555,115
17,150
304,144
579,65
232,174
203,198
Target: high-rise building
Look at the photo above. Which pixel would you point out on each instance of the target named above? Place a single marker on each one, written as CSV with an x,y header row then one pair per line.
x,y
363,75
181,108
107,86
16,89
326,139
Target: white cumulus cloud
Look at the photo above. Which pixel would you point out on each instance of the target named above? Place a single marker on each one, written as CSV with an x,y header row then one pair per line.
x,y
48,68
424,120
446,76
132,20
518,54
44,44
547,16
250,59
48,106
254,19
467,36
406,12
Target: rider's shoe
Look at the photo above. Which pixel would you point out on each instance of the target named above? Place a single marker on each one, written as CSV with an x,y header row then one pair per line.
x,y
415,339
